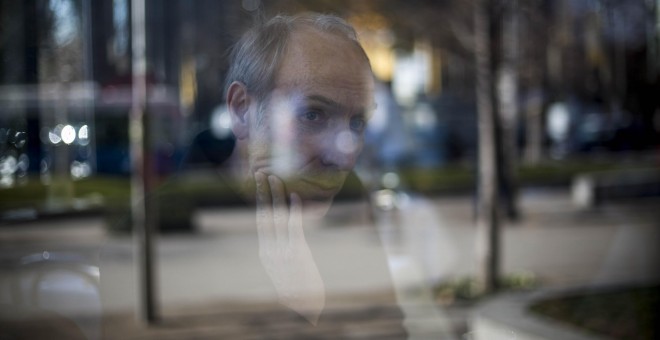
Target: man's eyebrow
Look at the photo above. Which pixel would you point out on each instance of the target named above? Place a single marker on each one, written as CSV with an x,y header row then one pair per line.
x,y
329,102
323,100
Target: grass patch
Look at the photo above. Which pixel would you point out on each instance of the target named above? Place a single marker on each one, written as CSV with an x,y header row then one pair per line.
x,y
33,193
624,314
463,177
467,290
29,194
189,190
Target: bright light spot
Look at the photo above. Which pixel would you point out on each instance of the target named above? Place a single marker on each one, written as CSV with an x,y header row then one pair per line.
x,y
80,169
558,121
64,26
225,121
345,142
68,134
54,138
221,122
54,135
7,168
384,199
83,135
390,180
411,75
7,165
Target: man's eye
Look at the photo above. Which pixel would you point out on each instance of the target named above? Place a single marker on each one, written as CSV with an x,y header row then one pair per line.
x,y
358,124
312,116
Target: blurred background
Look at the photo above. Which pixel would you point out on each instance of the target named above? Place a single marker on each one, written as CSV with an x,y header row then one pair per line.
x,y
550,106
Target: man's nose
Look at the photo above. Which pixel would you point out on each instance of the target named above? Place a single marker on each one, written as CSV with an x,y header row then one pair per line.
x,y
341,150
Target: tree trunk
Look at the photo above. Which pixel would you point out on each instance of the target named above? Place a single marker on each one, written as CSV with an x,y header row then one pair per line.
x,y
507,96
142,175
534,128
487,211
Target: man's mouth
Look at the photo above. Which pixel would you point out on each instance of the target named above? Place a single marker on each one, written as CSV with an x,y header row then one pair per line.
x,y
323,185
319,189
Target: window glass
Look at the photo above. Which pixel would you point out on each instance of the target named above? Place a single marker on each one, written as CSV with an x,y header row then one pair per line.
x,y
328,169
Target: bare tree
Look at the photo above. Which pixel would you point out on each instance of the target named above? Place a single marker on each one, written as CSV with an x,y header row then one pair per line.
x,y
488,238
507,98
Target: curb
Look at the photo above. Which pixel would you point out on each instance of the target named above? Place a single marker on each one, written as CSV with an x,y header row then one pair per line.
x,y
507,317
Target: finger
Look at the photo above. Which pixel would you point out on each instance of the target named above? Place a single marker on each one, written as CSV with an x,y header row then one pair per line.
x,y
280,209
296,232
265,229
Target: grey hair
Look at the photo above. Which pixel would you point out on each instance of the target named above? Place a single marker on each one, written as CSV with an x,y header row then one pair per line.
x,y
256,57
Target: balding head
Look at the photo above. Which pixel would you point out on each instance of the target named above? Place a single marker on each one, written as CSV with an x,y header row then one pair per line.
x,y
257,56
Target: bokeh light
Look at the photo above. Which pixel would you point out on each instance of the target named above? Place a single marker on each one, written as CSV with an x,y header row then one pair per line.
x,y
83,135
68,134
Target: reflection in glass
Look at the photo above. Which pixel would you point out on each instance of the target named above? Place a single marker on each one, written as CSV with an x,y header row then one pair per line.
x,y
7,169
55,135
83,135
65,28
80,170
68,134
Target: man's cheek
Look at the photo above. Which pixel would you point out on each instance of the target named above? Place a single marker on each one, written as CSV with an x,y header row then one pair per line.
x,y
277,160
285,159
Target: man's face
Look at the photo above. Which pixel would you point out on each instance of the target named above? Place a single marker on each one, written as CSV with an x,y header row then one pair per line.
x,y
309,131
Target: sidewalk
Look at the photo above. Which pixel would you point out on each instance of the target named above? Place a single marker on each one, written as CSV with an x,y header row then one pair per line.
x,y
257,321
561,244
431,240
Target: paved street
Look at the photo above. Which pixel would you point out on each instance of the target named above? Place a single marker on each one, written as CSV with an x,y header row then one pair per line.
x,y
429,240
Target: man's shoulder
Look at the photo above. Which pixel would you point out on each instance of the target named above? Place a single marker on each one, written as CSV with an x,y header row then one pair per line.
x,y
352,189
207,150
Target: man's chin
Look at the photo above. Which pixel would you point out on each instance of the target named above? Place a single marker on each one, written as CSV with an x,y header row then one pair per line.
x,y
316,209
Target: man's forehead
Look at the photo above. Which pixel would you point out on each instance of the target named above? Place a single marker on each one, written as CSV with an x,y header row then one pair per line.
x,y
318,63
314,53
312,84
324,62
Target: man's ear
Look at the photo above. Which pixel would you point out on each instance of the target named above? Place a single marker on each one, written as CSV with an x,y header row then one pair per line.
x,y
238,104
